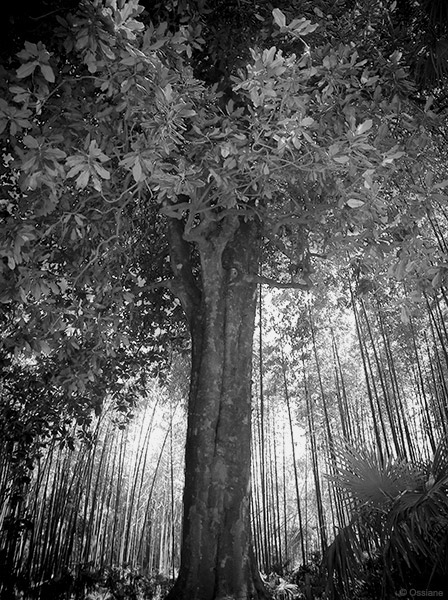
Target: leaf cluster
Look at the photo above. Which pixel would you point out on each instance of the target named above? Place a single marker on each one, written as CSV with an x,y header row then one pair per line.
x,y
108,135
399,519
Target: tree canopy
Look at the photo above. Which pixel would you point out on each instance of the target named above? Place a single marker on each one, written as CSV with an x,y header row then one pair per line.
x,y
108,126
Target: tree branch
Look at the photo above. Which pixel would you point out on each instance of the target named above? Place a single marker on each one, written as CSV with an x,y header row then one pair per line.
x,y
184,284
295,285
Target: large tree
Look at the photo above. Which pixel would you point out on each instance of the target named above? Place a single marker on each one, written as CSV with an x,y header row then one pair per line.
x,y
125,163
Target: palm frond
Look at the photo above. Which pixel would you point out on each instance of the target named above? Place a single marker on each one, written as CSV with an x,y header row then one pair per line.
x,y
399,515
369,480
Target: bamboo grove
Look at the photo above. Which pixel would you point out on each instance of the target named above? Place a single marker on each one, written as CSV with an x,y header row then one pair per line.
x,y
338,373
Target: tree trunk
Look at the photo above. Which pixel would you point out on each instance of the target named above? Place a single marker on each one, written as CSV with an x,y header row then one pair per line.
x,y
217,561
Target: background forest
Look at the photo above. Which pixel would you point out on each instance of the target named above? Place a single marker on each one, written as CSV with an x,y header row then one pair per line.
x,y
350,413
349,388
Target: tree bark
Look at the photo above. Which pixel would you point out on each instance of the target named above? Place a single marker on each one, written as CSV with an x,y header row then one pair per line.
x,y
217,561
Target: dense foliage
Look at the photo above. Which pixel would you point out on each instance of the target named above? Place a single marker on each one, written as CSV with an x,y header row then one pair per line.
x,y
108,125
137,125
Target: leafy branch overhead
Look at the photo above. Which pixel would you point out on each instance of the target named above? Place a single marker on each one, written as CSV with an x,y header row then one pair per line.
x,y
111,120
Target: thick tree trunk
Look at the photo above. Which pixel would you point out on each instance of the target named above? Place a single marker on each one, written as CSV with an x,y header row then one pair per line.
x,y
216,558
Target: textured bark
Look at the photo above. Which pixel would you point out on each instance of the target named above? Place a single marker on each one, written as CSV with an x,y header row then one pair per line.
x,y
216,558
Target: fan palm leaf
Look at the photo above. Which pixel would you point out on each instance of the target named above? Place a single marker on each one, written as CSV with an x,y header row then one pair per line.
x,y
399,518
